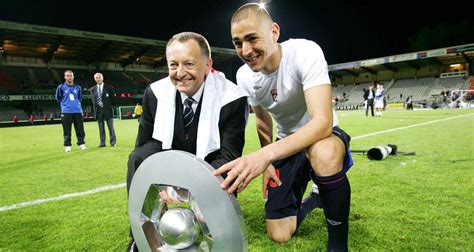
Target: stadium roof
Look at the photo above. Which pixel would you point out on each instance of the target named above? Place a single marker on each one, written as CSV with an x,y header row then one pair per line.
x,y
35,41
47,43
441,56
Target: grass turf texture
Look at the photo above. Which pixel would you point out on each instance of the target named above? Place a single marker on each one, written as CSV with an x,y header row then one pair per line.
x,y
421,202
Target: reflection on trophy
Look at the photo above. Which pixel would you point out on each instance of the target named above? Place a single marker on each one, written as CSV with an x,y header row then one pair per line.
x,y
177,220
179,228
176,203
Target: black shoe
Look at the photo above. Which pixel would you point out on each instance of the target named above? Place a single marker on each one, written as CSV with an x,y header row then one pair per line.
x,y
102,145
132,246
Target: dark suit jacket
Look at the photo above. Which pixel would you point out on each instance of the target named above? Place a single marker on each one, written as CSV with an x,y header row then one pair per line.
x,y
366,94
108,100
232,121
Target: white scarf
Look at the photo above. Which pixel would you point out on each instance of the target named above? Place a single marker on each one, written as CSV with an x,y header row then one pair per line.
x,y
218,92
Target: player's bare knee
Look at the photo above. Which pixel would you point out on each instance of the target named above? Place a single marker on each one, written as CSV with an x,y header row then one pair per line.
x,y
279,236
326,156
281,230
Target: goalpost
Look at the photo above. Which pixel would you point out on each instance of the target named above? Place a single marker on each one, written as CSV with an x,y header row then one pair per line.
x,y
125,112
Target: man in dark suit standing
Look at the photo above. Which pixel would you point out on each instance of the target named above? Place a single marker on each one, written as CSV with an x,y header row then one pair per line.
x,y
193,109
369,96
103,97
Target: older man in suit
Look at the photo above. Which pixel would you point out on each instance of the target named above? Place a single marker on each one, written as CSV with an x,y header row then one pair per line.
x,y
369,96
193,109
103,97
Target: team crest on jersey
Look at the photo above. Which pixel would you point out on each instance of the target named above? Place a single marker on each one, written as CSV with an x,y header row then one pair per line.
x,y
274,94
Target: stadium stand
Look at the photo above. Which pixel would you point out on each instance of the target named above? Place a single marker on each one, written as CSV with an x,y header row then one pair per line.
x,y
452,83
443,84
406,87
356,94
16,80
33,59
339,92
9,83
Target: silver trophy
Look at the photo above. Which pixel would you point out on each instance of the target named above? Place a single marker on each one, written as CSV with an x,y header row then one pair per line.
x,y
203,217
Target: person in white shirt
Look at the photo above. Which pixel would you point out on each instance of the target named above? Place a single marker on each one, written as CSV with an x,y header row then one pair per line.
x,y
289,82
379,99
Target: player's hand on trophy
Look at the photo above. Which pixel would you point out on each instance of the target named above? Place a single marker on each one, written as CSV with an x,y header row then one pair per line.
x,y
242,170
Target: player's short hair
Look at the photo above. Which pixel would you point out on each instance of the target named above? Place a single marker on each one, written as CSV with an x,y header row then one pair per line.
x,y
249,9
201,40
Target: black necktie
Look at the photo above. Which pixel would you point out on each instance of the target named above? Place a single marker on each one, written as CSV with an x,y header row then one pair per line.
x,y
99,97
188,113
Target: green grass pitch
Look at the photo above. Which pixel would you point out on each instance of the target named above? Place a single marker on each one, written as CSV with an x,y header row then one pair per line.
x,y
422,202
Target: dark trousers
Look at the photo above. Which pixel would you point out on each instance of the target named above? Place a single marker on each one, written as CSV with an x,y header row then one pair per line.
x,y
110,125
137,157
67,120
370,103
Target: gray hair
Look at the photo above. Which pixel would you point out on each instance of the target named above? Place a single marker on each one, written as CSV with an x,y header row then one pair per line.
x,y
201,40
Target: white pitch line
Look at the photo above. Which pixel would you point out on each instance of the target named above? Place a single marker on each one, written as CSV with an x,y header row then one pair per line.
x,y
407,127
61,197
111,187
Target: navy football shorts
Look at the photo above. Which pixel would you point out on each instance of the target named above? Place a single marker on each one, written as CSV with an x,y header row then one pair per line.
x,y
295,172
